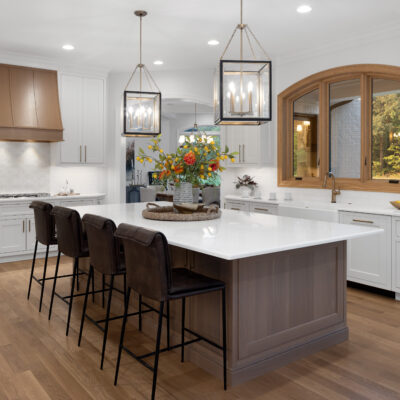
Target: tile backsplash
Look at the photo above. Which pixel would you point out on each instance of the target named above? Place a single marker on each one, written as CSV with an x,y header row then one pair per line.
x,y
24,167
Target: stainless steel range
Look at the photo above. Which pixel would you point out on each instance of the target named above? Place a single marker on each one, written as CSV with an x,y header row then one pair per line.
x,y
18,195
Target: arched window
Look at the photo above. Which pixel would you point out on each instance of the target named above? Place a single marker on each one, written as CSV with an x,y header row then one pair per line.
x,y
343,120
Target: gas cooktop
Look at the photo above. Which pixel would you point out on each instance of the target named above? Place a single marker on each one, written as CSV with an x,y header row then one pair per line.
x,y
17,195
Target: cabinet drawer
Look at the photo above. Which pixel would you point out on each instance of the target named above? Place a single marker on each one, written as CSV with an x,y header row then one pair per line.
x,y
264,208
78,203
15,209
237,205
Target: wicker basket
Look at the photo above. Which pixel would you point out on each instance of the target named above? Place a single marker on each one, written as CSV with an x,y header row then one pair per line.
x,y
168,213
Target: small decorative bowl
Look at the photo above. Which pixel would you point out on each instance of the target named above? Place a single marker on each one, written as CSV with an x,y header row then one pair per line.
x,y
188,208
396,204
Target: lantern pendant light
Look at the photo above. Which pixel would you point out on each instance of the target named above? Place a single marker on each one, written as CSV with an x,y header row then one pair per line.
x,y
242,92
142,107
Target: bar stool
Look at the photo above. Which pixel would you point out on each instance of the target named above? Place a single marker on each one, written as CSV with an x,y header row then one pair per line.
x,y
45,234
149,273
73,243
105,257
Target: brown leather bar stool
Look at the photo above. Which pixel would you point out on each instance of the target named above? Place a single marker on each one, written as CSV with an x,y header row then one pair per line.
x,y
149,273
73,243
106,258
45,234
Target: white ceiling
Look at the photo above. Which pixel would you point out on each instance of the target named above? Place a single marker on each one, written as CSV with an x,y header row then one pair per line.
x,y
105,32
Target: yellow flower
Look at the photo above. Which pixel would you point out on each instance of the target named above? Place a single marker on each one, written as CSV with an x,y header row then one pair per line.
x,y
202,176
149,159
209,174
232,160
150,146
138,158
161,151
185,146
176,159
141,160
202,166
212,142
209,168
172,167
154,176
206,149
195,149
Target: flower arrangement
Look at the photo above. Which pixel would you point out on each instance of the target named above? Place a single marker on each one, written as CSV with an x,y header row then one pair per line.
x,y
194,161
245,180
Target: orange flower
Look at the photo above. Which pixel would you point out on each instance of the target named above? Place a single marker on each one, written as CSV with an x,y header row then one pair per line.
x,y
178,169
189,158
214,165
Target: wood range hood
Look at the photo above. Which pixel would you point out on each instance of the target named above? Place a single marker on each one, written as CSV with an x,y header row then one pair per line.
x,y
29,105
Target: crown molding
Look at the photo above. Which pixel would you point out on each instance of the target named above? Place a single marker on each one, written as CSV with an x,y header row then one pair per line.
x,y
35,61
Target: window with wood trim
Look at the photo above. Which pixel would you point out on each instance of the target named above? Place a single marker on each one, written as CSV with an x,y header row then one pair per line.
x,y
344,120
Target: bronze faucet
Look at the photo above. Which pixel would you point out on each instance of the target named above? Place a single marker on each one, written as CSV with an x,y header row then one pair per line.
x,y
335,191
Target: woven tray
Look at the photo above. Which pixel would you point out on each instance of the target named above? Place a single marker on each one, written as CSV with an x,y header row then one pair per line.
x,y
156,212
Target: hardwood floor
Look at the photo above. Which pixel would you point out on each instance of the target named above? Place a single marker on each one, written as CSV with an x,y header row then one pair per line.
x,y
38,362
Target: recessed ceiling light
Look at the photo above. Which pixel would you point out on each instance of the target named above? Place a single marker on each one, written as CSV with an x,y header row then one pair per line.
x,y
158,62
213,42
68,47
304,9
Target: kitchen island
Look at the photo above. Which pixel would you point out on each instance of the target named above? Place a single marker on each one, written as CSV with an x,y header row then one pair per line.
x,y
285,277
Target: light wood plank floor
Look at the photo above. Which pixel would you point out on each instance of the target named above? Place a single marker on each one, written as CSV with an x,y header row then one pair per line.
x,y
38,362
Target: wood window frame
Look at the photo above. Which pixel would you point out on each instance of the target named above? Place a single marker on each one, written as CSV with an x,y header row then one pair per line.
x,y
321,80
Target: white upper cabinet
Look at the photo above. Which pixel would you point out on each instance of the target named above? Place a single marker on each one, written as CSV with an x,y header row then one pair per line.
x,y
254,144
82,111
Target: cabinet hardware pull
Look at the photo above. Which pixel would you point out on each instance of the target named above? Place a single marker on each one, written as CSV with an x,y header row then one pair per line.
x,y
243,152
261,209
363,221
85,152
29,225
23,226
237,209
80,153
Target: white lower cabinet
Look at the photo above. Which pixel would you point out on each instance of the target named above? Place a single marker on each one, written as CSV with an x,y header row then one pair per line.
x,y
396,254
237,205
264,208
12,235
369,259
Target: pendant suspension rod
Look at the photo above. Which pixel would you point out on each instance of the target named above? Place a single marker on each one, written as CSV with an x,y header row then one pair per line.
x,y
140,52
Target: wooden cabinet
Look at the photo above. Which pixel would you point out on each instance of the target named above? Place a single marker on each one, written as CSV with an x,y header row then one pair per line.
x,y
369,259
82,106
5,97
12,235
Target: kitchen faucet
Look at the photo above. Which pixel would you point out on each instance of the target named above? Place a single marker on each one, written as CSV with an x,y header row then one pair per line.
x,y
335,191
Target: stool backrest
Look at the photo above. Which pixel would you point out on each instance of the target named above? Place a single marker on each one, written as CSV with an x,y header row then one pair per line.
x,y
44,222
69,231
104,247
147,262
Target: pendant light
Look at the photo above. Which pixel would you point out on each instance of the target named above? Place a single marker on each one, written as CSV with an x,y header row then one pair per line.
x,y
242,92
142,107
194,131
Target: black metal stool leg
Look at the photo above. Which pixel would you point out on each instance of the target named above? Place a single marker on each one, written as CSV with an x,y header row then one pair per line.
x,y
168,326
107,318
77,276
71,299
85,304
160,318
32,269
44,278
224,333
93,288
124,285
104,285
121,341
183,330
54,284
140,312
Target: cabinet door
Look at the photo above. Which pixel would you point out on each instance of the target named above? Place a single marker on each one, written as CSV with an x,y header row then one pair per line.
x,y
93,121
12,235
71,111
232,141
237,205
249,138
369,258
396,254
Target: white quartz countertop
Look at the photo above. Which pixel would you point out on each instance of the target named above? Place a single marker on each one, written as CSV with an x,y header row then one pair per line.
x,y
236,234
55,197
315,205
